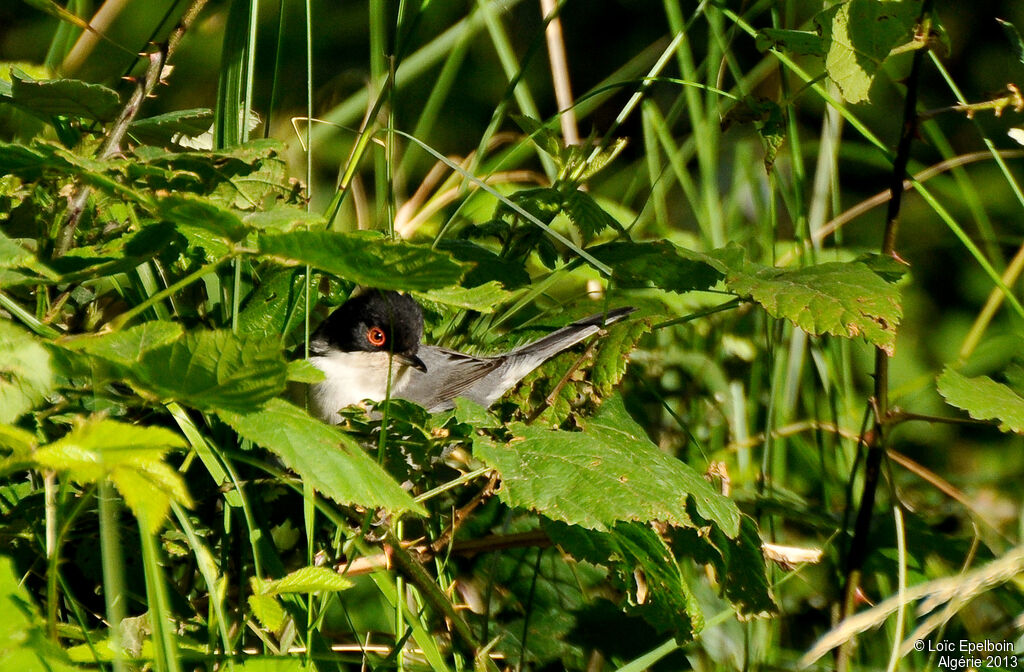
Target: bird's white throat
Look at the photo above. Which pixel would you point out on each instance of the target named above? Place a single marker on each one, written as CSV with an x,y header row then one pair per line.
x,y
351,377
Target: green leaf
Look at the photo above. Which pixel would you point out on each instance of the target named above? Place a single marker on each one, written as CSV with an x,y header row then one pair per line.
x,y
191,210
24,644
845,299
486,265
66,97
268,610
276,306
545,138
126,347
612,355
483,298
367,260
131,456
644,569
660,263
212,370
283,217
26,376
588,216
164,128
301,371
607,473
1014,37
322,455
306,580
983,399
799,42
859,35
13,255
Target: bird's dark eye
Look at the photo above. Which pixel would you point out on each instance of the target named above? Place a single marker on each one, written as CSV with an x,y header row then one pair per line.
x,y
375,335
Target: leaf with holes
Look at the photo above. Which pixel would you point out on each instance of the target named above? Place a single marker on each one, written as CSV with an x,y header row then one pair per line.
x,y
607,473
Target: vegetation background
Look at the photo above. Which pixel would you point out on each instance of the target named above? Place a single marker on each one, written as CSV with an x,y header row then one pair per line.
x,y
800,352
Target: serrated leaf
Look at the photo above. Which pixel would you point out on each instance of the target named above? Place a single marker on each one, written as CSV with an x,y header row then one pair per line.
x,y
322,455
131,456
26,376
268,610
307,580
545,138
660,263
859,34
126,347
983,399
191,210
845,299
66,97
607,473
283,218
612,356
483,298
371,261
486,265
588,216
212,370
301,371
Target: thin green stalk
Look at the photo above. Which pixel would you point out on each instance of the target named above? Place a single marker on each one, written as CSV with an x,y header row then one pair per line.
x,y
165,646
124,318
112,556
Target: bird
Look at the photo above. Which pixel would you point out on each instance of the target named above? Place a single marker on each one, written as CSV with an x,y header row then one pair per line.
x,y
377,335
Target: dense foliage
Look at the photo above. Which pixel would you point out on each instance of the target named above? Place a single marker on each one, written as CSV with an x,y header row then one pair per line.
x,y
702,486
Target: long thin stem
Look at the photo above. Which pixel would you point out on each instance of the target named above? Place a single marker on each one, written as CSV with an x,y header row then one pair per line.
x,y
876,448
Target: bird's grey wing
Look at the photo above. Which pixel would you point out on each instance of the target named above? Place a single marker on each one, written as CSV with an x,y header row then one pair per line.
x,y
448,375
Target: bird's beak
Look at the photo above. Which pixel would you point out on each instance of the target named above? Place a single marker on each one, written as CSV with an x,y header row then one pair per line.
x,y
411,360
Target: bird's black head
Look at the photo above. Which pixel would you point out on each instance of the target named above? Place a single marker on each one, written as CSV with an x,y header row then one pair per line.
x,y
374,321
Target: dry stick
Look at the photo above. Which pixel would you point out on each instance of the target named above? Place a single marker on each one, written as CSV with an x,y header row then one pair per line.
x,y
876,448
560,72
111,146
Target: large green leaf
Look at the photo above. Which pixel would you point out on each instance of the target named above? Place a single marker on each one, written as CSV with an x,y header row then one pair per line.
x,y
607,473
483,298
25,372
126,347
190,210
322,455
859,35
367,260
65,97
659,264
840,298
212,370
130,455
984,399
13,255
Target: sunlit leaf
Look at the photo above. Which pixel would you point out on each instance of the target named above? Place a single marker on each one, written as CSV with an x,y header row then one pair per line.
x,y
483,298
607,473
66,97
26,376
322,455
984,399
307,580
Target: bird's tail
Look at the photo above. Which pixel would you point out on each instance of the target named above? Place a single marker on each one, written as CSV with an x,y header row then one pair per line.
x,y
571,334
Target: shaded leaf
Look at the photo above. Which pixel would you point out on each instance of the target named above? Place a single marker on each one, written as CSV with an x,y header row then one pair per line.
x,y
13,255
126,347
322,455
166,127
283,217
845,299
486,265
800,42
607,473
660,264
983,399
26,376
367,260
612,354
1014,37
644,569
588,216
276,306
65,97
190,210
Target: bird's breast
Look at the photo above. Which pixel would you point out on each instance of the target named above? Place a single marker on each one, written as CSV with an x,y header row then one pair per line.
x,y
349,378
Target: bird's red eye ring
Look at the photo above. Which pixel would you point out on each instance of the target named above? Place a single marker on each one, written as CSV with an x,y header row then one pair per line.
x,y
375,335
